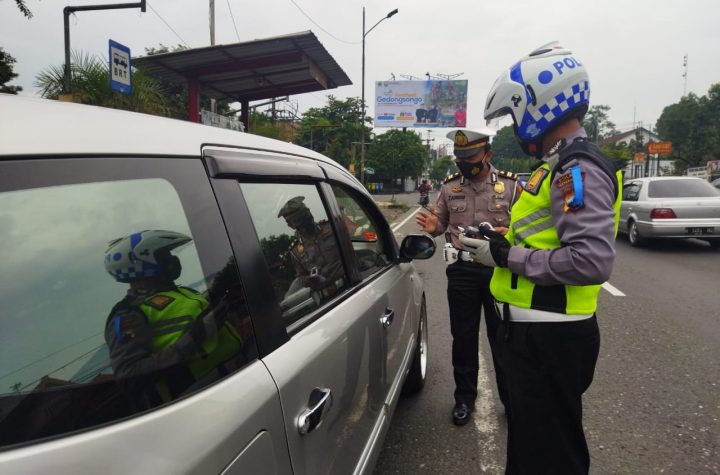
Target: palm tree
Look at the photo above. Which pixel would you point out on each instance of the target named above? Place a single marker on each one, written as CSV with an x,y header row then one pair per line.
x,y
91,85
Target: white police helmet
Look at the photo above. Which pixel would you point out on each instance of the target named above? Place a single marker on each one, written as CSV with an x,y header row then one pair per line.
x,y
143,255
539,91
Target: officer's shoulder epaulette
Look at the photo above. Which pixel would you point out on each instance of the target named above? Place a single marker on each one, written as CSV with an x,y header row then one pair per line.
x,y
452,177
510,175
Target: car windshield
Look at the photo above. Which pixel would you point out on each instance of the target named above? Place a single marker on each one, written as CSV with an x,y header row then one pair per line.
x,y
690,188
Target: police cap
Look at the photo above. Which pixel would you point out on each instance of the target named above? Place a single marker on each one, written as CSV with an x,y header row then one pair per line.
x,y
293,205
467,142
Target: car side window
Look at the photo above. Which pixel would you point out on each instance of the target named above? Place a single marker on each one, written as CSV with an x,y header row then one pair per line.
x,y
299,244
631,192
370,248
116,305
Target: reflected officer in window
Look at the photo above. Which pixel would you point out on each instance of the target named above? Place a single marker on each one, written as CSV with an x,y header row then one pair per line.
x,y
163,338
313,252
479,193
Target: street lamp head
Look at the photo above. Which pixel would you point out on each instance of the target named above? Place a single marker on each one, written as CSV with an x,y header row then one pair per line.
x,y
392,13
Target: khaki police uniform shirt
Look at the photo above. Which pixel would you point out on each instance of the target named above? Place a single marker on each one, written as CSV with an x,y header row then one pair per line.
x,y
319,251
464,202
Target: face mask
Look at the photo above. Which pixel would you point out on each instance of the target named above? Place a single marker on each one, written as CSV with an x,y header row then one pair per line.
x,y
469,170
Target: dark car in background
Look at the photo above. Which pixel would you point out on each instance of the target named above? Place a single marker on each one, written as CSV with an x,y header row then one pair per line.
x,y
670,208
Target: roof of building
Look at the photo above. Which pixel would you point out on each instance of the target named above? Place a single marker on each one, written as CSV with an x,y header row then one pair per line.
x,y
260,69
623,135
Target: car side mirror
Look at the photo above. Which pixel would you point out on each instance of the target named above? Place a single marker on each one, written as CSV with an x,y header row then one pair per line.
x,y
417,246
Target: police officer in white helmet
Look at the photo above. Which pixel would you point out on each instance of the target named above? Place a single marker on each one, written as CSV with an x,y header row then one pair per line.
x,y
549,266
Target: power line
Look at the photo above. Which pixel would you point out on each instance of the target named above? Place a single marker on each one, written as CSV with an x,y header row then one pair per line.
x,y
323,29
51,354
167,24
64,366
233,20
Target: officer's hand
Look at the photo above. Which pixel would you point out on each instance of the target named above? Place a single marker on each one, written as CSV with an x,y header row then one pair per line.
x,y
427,221
492,251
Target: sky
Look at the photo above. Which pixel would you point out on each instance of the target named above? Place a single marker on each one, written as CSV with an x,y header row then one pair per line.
x,y
633,50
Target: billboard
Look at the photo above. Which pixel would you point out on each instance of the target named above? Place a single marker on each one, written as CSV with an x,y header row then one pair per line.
x,y
660,148
421,103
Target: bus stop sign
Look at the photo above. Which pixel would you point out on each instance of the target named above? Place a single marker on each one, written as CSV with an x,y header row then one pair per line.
x,y
120,73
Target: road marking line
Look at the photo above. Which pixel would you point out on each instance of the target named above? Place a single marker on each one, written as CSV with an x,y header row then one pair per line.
x,y
612,290
486,419
395,227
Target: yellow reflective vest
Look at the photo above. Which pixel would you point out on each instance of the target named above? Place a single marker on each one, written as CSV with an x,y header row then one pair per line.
x,y
531,227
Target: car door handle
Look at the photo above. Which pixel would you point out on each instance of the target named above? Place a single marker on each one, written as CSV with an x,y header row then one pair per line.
x,y
319,404
387,317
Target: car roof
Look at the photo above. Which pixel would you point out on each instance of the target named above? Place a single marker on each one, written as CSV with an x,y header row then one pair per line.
x,y
33,126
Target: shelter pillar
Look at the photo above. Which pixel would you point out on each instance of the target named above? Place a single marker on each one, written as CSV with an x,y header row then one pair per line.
x,y
193,100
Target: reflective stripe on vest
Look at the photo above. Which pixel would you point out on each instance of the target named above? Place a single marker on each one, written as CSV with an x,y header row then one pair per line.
x,y
531,226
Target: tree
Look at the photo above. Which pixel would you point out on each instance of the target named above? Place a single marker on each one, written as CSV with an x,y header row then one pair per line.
x,y
597,123
90,85
693,127
261,124
7,74
335,142
397,154
507,154
505,145
442,168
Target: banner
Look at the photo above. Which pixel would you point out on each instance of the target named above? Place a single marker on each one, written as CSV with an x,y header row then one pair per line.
x,y
216,120
421,103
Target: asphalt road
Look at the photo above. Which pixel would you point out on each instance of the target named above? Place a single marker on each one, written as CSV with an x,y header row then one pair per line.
x,y
654,406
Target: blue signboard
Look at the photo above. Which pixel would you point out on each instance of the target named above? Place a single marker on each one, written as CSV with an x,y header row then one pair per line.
x,y
120,71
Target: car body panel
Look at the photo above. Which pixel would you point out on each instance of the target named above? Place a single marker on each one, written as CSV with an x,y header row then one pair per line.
x,y
199,435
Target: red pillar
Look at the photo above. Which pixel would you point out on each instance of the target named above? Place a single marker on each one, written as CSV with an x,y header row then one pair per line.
x,y
193,100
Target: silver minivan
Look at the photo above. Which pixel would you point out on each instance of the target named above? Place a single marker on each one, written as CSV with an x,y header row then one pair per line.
x,y
178,298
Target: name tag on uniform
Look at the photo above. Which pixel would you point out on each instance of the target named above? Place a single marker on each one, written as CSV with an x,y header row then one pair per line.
x,y
456,197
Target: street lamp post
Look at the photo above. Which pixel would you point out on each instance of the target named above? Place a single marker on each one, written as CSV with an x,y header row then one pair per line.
x,y
362,100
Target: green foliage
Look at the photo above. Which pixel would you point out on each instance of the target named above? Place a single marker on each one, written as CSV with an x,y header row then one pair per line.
x,y
505,146
90,85
333,128
7,74
396,154
597,123
619,153
442,168
261,124
693,126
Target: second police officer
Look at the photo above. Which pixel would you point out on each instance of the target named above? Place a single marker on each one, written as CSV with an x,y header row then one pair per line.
x,y
478,193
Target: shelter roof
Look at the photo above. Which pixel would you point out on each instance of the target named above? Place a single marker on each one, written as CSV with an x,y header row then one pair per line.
x,y
260,69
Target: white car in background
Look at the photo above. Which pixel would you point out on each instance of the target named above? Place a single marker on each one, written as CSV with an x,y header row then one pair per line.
x,y
670,208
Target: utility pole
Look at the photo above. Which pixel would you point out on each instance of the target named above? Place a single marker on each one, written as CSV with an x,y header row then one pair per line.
x,y
685,72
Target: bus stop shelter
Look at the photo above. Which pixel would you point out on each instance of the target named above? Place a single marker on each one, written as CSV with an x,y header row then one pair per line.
x,y
249,71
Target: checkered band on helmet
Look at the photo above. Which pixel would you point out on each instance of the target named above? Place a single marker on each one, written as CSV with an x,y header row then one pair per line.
x,y
140,255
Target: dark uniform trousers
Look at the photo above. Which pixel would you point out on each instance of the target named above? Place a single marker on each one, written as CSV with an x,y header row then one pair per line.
x,y
468,292
548,366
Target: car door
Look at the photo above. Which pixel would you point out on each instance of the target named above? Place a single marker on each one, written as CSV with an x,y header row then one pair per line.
x,y
328,368
629,199
66,403
374,248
